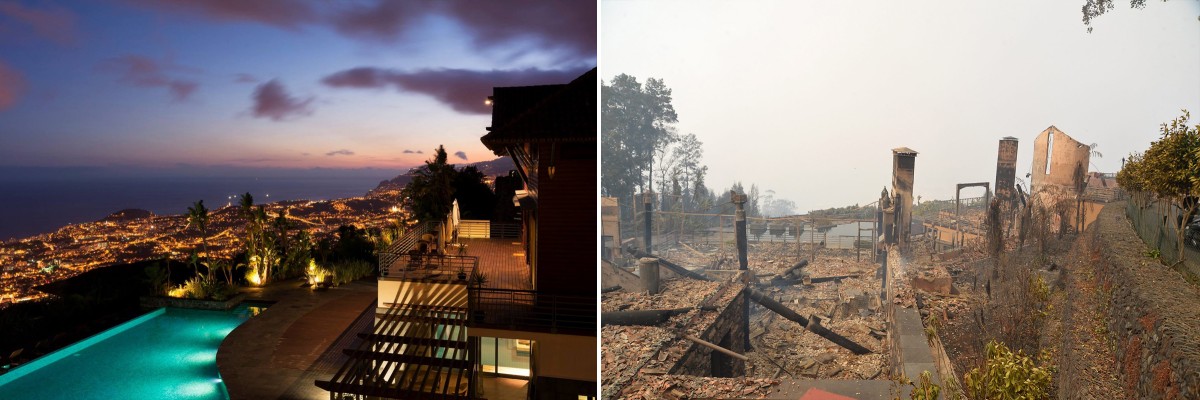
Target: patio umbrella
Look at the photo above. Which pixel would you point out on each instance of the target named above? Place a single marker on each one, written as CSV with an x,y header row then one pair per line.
x,y
454,219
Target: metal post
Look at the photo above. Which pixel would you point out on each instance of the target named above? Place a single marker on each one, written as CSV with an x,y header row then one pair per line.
x,y
957,219
739,201
812,240
857,238
648,216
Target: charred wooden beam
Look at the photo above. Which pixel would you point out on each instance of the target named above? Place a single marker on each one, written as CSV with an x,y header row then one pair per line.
x,y
720,349
812,326
610,289
797,281
640,317
670,265
790,276
794,271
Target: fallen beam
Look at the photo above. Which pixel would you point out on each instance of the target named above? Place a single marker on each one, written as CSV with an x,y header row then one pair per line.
x,y
720,349
641,317
670,265
610,289
816,328
794,271
797,281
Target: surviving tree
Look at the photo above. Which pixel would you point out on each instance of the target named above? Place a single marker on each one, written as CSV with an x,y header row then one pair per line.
x,y
636,122
1170,169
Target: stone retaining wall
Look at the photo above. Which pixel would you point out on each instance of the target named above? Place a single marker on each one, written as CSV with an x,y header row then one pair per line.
x,y
1154,315
158,302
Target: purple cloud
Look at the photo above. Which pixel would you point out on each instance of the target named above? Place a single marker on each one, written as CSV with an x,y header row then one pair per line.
x,y
142,71
54,23
281,13
568,25
342,152
271,100
11,86
384,20
461,154
461,89
244,78
407,151
565,26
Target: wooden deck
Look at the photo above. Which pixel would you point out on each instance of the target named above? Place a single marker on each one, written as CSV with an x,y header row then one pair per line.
x,y
502,261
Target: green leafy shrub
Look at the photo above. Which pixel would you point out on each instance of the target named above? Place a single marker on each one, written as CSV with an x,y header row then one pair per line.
x,y
205,289
926,390
347,271
196,288
1009,375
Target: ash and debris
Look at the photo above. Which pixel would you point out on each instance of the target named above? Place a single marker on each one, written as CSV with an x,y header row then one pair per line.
x,y
636,359
676,293
631,352
850,307
695,387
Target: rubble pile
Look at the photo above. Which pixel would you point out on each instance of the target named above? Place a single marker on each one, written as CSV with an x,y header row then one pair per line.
x,y
631,353
626,350
849,306
845,298
693,387
676,293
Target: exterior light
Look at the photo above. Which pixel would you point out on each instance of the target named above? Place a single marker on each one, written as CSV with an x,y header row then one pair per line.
x,y
488,101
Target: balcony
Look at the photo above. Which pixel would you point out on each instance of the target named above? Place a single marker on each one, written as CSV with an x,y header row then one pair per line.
x,y
530,311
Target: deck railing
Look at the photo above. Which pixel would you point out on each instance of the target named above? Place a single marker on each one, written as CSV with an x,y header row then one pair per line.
x,y
505,230
403,244
527,310
425,267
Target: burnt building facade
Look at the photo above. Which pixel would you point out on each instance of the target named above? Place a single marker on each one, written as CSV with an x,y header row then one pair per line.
x,y
903,166
1059,161
1006,169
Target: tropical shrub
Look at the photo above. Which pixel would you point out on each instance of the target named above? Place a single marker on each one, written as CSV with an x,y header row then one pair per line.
x,y
1009,375
350,270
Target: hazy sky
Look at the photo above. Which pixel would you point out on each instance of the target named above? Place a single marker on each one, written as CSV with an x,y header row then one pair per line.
x,y
271,83
808,98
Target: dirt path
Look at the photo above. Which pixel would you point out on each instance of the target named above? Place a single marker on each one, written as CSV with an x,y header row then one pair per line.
x,y
1084,347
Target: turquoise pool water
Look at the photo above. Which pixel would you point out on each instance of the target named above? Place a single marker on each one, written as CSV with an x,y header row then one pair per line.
x,y
168,353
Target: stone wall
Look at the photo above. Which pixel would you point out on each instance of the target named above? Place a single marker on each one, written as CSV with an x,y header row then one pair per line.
x,y
728,331
157,302
1154,315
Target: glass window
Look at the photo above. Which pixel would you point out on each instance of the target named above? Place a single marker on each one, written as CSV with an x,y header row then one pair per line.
x,y
513,356
487,357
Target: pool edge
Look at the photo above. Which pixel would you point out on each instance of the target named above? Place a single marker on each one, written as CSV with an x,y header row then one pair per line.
x,y
38,363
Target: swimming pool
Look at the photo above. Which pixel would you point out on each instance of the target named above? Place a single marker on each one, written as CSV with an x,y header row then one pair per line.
x,y
169,353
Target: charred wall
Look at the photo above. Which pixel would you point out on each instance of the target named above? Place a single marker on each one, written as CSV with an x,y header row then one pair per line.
x,y
1006,168
903,165
728,331
1058,160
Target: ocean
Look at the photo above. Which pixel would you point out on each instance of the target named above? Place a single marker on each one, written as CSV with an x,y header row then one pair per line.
x,y
32,204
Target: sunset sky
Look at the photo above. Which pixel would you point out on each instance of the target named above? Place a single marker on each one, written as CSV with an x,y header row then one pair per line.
x,y
271,83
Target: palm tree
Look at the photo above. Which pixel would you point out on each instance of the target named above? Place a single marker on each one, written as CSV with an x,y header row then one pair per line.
x,y
432,188
246,209
198,217
281,226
